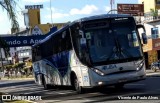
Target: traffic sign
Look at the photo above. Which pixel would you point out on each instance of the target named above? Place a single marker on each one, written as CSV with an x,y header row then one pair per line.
x,y
132,9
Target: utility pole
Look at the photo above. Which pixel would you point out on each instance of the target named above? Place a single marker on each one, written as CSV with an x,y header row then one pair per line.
x,y
111,3
2,66
51,12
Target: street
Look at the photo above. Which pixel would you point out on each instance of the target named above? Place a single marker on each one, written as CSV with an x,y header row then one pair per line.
x,y
80,44
147,89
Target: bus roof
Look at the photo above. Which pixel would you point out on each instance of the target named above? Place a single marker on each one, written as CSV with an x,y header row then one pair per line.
x,y
52,34
102,16
96,17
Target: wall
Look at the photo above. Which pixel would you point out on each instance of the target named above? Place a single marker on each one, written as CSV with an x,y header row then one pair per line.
x,y
152,56
148,28
148,46
150,25
34,17
45,28
148,4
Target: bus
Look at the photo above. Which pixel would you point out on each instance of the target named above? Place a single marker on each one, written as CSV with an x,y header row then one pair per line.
x,y
100,50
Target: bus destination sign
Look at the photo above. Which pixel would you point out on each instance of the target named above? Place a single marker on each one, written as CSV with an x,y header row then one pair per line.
x,y
132,9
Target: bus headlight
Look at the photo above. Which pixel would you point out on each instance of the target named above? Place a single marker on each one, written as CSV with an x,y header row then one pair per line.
x,y
140,66
98,71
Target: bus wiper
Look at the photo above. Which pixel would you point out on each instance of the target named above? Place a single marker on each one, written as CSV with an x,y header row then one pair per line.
x,y
122,51
118,51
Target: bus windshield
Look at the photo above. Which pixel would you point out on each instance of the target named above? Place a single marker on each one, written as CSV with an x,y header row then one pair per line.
x,y
112,40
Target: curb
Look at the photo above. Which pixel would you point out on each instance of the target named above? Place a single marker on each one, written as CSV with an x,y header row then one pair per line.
x,y
153,74
17,79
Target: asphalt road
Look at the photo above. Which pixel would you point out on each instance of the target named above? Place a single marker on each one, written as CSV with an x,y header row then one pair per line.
x,y
146,91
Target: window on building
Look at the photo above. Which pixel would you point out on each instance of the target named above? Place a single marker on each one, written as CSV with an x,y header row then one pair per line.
x,y
155,33
158,2
27,53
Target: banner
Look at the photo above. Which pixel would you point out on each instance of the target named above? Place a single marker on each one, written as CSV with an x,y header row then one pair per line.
x,y
18,41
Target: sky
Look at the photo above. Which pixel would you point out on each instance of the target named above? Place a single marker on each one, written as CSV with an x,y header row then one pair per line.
x,y
62,10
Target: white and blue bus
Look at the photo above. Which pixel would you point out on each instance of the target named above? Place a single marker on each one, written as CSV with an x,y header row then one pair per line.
x,y
93,51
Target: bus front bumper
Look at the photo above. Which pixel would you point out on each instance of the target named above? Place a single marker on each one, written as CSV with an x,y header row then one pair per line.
x,y
120,81
114,79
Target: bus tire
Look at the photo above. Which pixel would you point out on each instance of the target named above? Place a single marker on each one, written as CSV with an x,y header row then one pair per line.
x,y
46,86
76,85
119,86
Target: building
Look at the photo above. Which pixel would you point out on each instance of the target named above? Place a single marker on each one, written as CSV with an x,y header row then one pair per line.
x,y
33,27
151,21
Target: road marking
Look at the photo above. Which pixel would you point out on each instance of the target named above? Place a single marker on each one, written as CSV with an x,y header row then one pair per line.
x,y
64,92
136,84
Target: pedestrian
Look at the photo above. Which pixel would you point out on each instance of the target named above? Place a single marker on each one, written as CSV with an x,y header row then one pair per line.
x,y
31,70
8,74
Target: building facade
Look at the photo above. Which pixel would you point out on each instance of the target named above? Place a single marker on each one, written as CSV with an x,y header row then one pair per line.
x,y
151,21
33,27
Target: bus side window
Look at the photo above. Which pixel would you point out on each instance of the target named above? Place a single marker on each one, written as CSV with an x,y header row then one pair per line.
x,y
60,47
75,38
66,41
55,44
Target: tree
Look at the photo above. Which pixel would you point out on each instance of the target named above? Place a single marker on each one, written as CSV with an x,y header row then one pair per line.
x,y
10,7
154,13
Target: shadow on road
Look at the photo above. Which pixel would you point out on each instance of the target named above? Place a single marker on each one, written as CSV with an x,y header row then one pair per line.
x,y
16,83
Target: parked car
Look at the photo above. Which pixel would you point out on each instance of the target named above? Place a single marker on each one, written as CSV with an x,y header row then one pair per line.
x,y
155,66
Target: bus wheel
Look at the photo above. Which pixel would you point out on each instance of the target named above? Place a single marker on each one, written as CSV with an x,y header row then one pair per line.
x,y
44,83
119,86
77,87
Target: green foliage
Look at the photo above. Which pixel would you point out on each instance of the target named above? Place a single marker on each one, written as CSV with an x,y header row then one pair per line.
x,y
4,45
19,65
15,66
29,63
10,7
154,13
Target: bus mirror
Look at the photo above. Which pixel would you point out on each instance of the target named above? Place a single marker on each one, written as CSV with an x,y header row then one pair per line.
x,y
141,26
144,38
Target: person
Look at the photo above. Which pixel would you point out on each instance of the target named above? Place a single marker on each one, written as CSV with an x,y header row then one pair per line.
x,y
31,70
8,74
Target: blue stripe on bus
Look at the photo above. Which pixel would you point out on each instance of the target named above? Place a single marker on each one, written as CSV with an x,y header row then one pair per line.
x,y
60,62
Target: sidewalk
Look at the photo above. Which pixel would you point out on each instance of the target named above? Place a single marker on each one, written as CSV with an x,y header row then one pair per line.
x,y
151,73
17,79
13,77
148,73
